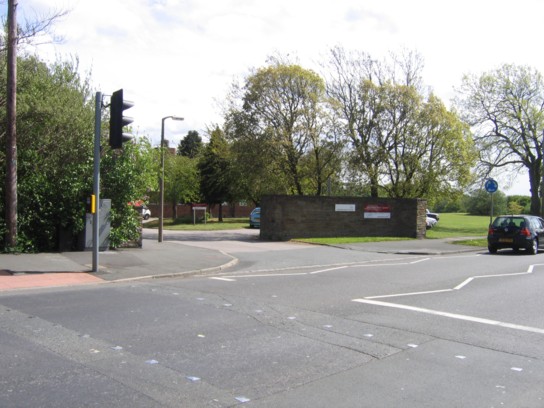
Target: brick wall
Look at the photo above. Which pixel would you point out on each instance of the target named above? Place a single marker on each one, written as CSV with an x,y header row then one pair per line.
x,y
286,217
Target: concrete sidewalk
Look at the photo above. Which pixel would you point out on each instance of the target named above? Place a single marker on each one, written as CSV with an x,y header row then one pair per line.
x,y
69,268
166,259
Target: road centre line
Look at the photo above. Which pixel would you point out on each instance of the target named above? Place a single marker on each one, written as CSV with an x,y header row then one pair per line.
x,y
372,262
452,315
328,270
232,278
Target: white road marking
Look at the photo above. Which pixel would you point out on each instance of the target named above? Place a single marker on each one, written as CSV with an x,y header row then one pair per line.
x,y
452,315
327,268
370,300
466,282
529,271
271,275
409,294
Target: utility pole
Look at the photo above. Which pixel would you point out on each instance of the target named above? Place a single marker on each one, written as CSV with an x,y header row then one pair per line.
x,y
11,137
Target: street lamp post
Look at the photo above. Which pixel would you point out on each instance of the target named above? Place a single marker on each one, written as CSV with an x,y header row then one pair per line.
x,y
161,180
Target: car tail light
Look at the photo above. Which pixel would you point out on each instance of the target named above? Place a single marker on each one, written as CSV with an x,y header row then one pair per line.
x,y
491,231
525,232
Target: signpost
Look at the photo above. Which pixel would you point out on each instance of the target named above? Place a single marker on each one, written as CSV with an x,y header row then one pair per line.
x,y
491,186
201,207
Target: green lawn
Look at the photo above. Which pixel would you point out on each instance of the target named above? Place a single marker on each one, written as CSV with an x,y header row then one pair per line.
x,y
451,225
454,225
211,225
459,225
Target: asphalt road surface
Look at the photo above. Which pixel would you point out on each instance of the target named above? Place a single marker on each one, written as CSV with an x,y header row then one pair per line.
x,y
291,325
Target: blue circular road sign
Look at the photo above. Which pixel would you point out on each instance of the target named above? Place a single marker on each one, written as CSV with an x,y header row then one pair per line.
x,y
491,186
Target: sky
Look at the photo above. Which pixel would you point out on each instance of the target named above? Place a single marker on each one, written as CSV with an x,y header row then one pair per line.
x,y
180,57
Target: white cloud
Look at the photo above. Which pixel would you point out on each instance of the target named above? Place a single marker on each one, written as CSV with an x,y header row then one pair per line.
x,y
175,57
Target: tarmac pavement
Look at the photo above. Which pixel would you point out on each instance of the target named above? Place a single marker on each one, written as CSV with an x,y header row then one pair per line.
x,y
166,259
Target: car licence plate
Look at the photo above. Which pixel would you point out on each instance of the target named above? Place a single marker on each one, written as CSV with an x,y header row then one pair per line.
x,y
506,240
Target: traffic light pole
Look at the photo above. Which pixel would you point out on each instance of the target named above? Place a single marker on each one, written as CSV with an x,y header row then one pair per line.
x,y
96,177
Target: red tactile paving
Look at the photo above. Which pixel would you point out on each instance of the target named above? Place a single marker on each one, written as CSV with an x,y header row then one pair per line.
x,y
42,280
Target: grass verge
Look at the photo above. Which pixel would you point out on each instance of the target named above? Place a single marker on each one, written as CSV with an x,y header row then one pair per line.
x,y
211,225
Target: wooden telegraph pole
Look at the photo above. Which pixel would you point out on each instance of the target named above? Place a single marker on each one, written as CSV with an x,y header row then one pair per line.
x,y
11,139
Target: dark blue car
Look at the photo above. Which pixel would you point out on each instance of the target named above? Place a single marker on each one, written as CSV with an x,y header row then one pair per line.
x,y
516,232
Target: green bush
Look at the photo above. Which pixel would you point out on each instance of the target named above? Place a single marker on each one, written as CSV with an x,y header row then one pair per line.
x,y
479,203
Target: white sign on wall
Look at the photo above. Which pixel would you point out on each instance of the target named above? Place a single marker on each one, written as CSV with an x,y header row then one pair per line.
x,y
377,211
344,208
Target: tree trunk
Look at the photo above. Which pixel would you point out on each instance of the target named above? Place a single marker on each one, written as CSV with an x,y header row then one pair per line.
x,y
174,211
534,181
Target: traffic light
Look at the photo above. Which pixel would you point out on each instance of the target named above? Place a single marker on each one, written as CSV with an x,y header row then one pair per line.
x,y
118,121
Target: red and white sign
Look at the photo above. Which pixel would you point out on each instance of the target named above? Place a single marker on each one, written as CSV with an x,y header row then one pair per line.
x,y
377,211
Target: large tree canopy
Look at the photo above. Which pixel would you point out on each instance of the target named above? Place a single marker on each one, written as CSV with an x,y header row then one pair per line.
x,y
281,108
190,145
181,183
404,142
505,108
216,175
55,126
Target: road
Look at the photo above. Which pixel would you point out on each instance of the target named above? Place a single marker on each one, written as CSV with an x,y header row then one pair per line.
x,y
291,325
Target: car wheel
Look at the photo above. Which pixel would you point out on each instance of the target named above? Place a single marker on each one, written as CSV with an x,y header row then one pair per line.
x,y
533,249
492,249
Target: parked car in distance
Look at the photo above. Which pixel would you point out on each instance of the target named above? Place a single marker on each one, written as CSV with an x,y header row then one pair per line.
x,y
146,212
431,222
436,216
516,232
255,218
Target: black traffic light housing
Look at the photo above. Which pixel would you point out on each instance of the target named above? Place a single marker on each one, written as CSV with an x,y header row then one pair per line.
x,y
118,121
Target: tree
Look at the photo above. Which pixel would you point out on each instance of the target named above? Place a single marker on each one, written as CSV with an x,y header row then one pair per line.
x,y
505,108
56,114
190,145
181,183
354,88
16,35
404,142
255,167
479,203
430,153
55,128
281,105
216,171
128,174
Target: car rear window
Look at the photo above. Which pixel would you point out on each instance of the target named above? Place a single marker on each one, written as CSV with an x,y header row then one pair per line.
x,y
509,222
